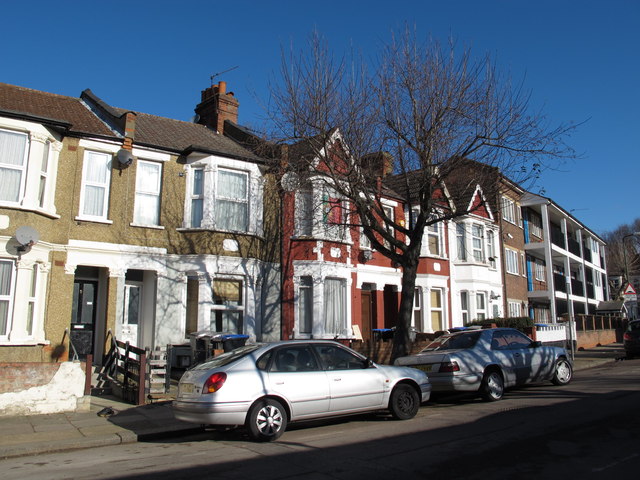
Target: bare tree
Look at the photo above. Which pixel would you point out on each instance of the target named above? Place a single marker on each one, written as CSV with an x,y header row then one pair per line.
x,y
423,111
622,252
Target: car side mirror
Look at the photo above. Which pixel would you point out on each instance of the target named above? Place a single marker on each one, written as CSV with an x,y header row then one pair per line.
x,y
367,363
535,344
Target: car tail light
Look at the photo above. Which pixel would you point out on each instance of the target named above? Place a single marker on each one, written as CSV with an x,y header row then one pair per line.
x,y
627,336
214,382
449,367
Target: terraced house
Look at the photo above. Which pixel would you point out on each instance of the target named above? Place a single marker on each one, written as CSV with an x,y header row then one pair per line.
x,y
121,223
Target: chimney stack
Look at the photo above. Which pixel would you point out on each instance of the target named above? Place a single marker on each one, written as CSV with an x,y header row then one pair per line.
x,y
216,106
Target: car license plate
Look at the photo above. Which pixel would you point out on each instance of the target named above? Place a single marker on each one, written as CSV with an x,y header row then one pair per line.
x,y
424,368
187,388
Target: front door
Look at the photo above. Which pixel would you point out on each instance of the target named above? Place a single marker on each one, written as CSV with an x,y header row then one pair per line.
x,y
83,316
131,314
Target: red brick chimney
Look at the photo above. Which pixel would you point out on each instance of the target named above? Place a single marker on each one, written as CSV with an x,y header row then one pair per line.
x,y
216,106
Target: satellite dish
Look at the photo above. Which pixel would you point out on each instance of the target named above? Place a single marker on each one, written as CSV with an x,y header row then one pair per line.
x,y
125,158
27,237
290,181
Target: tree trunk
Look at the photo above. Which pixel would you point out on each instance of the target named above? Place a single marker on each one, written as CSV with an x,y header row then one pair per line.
x,y
401,339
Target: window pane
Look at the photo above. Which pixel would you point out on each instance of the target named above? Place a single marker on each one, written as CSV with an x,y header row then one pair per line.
x,y
97,169
6,274
10,184
305,305
335,306
93,201
227,292
12,148
196,212
232,184
198,180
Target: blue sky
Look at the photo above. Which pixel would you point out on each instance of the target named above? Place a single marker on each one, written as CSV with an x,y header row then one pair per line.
x,y
580,59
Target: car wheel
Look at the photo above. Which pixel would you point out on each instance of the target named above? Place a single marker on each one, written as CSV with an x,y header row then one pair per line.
x,y
404,402
267,420
492,387
562,372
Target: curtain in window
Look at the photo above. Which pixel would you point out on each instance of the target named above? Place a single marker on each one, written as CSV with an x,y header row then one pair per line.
x,y
304,213
305,305
232,201
460,238
436,309
147,210
96,182
197,201
6,273
335,303
12,151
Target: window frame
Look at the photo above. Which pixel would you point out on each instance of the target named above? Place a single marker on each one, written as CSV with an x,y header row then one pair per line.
x,y
343,321
305,305
509,213
511,261
155,193
105,185
481,310
8,297
218,310
22,167
461,242
236,200
478,248
464,306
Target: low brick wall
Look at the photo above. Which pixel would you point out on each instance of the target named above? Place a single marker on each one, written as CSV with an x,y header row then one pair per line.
x,y
22,376
36,388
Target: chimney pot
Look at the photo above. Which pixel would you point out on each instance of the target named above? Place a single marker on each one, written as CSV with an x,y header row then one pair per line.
x,y
222,87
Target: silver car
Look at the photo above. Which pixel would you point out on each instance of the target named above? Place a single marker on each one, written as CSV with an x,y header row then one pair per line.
x,y
488,361
266,386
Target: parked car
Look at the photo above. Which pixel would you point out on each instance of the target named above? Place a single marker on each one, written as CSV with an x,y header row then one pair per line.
x,y
266,386
488,361
631,339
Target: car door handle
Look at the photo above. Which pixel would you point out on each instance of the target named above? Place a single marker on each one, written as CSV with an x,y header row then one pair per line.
x,y
279,383
337,379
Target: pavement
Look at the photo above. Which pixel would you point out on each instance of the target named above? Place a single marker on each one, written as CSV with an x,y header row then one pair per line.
x,y
125,423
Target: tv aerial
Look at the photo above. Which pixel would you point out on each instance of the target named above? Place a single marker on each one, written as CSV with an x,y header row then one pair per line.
x,y
220,73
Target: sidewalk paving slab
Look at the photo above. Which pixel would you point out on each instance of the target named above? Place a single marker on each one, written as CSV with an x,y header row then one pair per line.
x,y
37,434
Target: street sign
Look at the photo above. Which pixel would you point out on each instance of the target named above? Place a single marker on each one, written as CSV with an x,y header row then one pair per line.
x,y
629,290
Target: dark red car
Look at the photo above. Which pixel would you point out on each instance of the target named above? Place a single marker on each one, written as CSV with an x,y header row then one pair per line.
x,y
631,339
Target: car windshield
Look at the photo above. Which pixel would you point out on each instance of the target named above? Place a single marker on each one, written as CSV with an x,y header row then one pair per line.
x,y
453,342
227,357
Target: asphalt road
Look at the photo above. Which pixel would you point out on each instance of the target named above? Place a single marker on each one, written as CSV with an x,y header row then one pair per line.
x,y
587,429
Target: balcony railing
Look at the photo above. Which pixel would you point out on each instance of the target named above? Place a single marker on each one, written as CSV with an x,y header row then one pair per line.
x,y
557,237
586,254
559,282
577,288
574,247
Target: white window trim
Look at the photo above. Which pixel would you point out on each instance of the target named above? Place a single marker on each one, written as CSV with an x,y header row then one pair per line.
x,y
104,217
37,137
19,299
157,193
210,165
509,213
511,260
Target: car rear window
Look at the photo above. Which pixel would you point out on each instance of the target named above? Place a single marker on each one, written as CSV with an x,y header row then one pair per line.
x,y
633,326
227,357
453,342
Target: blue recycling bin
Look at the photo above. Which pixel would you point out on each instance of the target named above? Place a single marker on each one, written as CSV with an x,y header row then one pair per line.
x,y
383,334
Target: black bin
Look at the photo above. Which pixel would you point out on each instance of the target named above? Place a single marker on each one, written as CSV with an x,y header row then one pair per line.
x,y
232,341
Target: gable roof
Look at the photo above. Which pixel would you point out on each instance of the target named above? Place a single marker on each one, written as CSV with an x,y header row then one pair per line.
x,y
90,116
66,114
